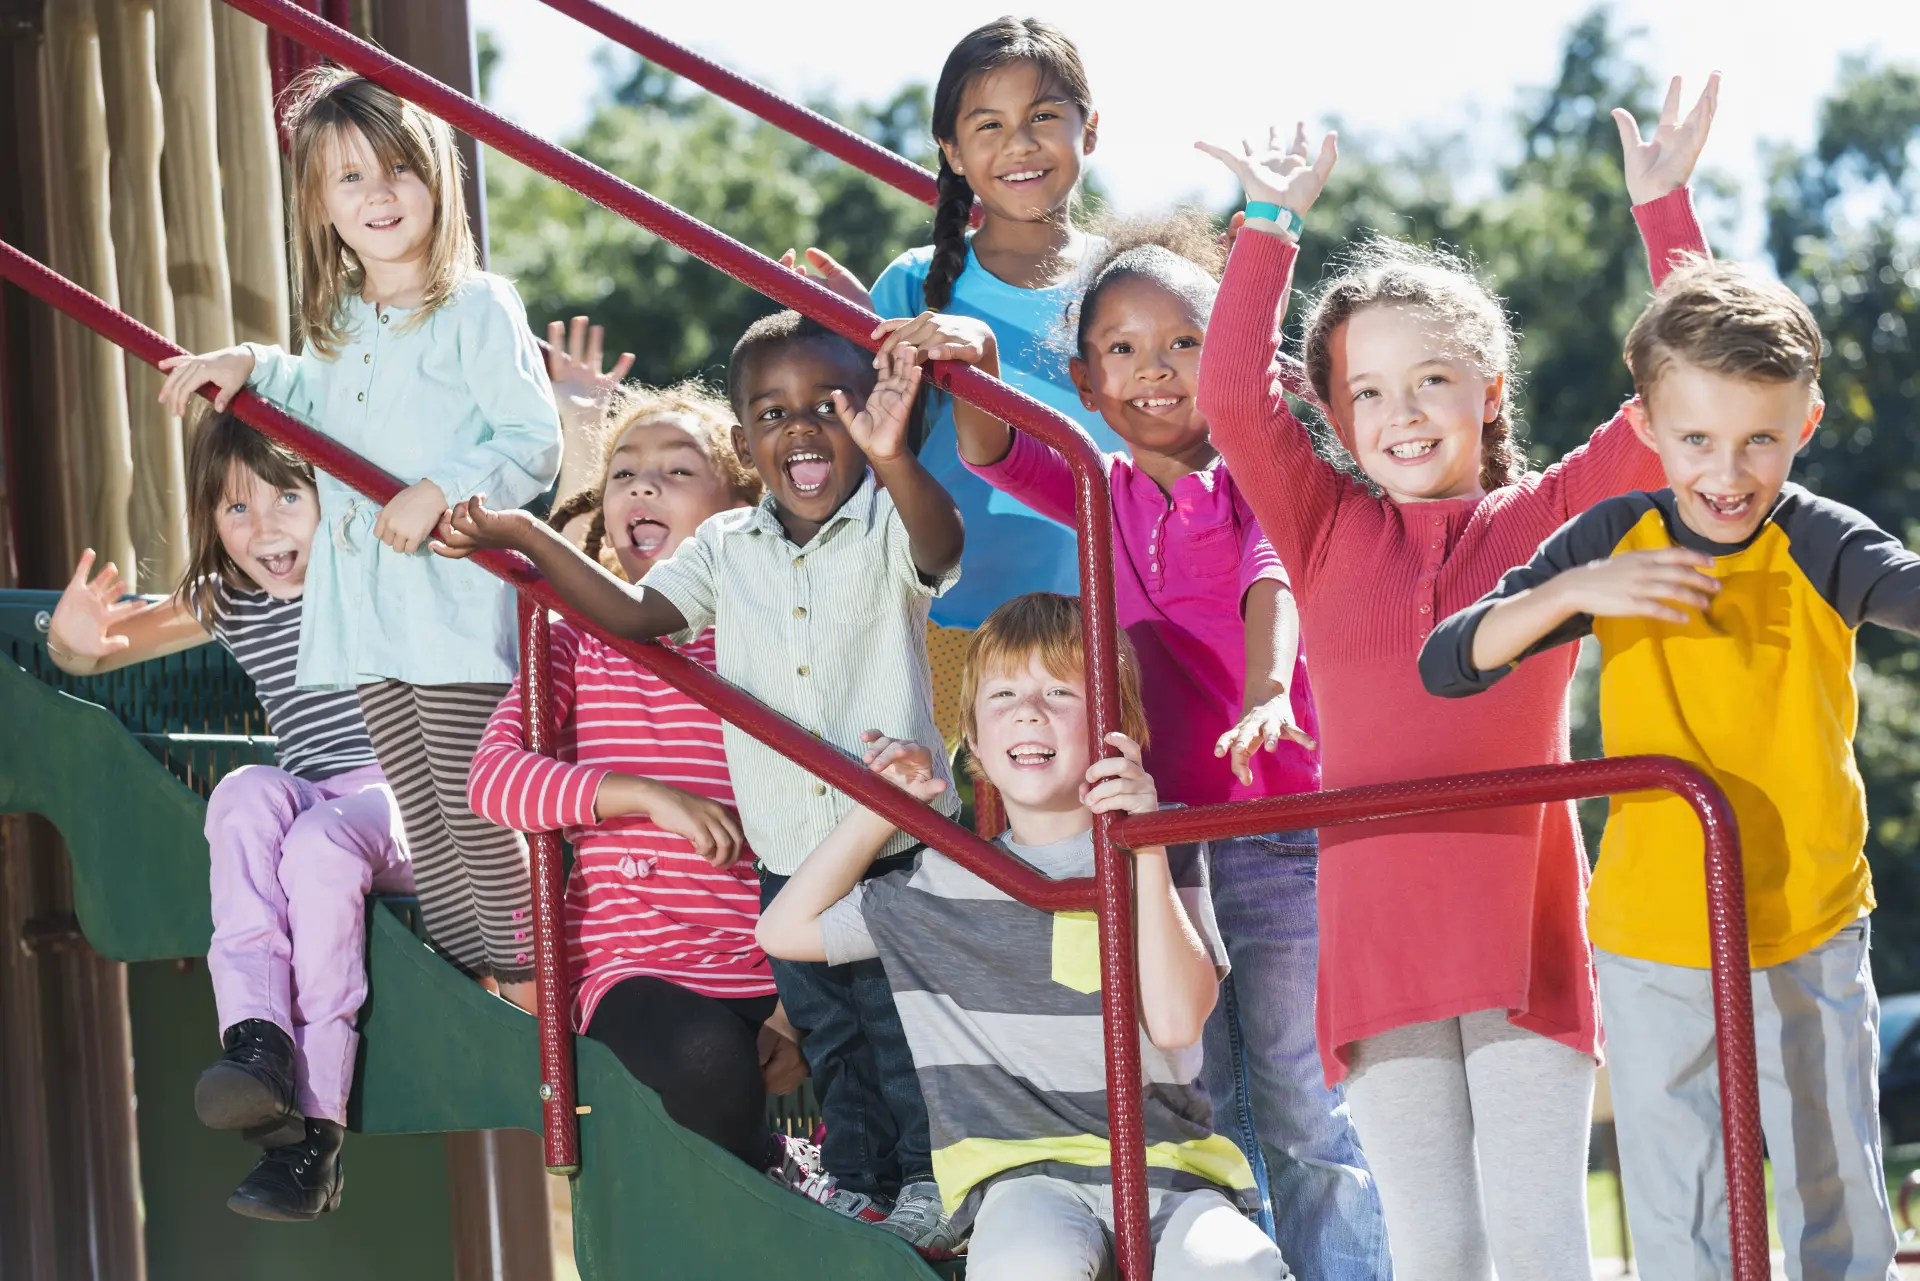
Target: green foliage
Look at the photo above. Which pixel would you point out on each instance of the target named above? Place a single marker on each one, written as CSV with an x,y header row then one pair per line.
x,y
746,178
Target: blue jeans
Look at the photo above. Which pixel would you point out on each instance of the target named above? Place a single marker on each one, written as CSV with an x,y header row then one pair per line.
x,y
863,1074
1263,1064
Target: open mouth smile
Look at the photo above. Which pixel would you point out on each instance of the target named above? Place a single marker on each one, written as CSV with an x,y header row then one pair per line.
x,y
646,535
1412,451
1726,506
807,471
1023,176
279,564
1030,755
1157,404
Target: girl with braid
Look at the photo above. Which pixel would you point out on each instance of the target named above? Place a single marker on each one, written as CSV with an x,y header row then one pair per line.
x,y
1015,123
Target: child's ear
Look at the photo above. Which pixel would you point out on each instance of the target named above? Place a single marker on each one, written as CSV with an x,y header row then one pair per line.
x,y
1815,412
952,153
1082,380
1642,424
1496,396
740,448
1090,136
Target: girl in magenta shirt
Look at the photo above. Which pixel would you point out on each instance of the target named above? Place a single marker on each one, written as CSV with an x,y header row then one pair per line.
x,y
1207,606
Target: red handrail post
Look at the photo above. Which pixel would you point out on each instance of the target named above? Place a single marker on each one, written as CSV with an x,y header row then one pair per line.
x,y
557,1087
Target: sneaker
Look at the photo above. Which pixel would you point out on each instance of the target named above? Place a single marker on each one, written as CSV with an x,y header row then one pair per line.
x,y
917,1220
250,1088
298,1182
801,1171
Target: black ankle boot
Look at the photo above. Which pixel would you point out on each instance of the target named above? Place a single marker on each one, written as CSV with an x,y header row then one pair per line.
x,y
250,1088
295,1183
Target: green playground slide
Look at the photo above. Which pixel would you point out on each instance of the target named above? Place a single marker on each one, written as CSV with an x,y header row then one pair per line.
x,y
437,1053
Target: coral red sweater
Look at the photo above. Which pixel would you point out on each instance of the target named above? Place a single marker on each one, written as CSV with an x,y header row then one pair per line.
x,y
639,901
1433,917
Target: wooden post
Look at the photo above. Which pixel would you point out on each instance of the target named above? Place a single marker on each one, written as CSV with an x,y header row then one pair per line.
x,y
159,514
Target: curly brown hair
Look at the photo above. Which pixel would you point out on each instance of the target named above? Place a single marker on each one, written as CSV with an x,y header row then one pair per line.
x,y
1387,272
709,418
1181,252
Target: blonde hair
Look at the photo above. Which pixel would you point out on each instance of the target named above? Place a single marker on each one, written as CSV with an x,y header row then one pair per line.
x,y
712,424
1729,319
220,441
323,105
1387,272
1047,624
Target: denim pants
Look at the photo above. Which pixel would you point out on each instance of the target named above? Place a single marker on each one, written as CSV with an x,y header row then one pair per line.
x,y
1263,1064
863,1074
1816,1022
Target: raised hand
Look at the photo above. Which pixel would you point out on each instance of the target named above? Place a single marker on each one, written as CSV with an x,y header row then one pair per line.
x,y
933,336
1119,782
880,426
472,527
574,354
829,273
226,369
1263,726
83,621
1287,176
902,762
1664,162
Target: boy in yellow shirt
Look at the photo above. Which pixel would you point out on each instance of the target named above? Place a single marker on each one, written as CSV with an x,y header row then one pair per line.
x,y
1725,606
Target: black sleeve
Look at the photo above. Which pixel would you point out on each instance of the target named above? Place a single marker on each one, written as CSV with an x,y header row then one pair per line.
x,y
1446,660
1865,573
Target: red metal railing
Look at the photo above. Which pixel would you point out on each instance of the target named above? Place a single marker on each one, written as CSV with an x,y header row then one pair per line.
x,y
1110,890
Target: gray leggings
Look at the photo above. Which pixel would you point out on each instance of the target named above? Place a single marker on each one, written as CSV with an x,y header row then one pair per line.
x,y
1426,1097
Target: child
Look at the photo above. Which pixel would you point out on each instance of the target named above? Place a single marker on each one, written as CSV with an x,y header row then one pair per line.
x,y
423,364
818,597
1001,1001
1725,605
1015,122
1190,566
662,899
295,849
1455,981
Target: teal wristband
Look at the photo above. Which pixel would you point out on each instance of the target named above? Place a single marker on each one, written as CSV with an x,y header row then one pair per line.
x,y
1289,221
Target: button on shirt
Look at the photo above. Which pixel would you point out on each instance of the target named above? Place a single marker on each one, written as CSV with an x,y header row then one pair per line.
x,y
832,635
1183,565
459,397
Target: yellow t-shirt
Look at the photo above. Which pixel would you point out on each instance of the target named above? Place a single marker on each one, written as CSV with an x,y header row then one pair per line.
x,y
1759,692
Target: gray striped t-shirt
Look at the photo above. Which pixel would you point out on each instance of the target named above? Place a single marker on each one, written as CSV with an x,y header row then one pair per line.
x,y
1001,1006
320,732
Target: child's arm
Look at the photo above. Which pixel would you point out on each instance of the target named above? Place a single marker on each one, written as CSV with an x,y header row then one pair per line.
x,y
1273,651
580,393
790,927
1294,492
635,612
1177,978
1555,597
932,520
530,792
92,630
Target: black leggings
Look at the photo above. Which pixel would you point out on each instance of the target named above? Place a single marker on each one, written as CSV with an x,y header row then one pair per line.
x,y
701,1054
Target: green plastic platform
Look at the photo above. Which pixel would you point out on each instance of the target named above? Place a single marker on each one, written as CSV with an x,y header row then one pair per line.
x,y
437,1052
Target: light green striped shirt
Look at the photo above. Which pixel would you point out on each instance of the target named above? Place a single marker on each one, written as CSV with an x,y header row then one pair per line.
x,y
832,635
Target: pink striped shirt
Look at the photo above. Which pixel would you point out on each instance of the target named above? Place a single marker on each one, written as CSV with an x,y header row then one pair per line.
x,y
639,901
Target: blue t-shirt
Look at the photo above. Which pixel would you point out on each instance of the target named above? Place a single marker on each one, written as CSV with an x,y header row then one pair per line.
x,y
1011,549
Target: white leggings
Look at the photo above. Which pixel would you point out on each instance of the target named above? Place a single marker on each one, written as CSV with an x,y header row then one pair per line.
x,y
1425,1097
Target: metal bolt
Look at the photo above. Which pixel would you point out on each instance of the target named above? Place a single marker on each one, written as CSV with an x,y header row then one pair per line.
x,y
546,1092
42,622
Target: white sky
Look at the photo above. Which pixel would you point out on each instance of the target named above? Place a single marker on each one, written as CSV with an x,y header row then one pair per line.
x,y
1388,68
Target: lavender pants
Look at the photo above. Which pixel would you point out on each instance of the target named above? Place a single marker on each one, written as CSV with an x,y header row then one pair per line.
x,y
293,862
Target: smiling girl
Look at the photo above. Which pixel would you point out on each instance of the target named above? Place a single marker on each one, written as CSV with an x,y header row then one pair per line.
x,y
1456,984
423,364
296,846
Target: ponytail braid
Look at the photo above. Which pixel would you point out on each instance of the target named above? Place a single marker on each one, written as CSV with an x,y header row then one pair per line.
x,y
950,219
587,500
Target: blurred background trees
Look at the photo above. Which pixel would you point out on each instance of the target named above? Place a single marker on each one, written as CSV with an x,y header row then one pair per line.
x,y
1554,234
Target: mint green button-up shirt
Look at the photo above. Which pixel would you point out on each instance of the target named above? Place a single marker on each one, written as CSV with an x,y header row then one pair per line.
x,y
460,398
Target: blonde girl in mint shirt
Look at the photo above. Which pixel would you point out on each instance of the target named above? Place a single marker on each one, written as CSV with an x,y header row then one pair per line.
x,y
419,361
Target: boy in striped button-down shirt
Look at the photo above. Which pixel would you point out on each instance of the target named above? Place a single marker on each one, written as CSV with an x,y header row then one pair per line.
x,y
818,597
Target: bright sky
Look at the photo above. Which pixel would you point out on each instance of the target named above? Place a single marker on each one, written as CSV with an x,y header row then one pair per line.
x,y
1392,69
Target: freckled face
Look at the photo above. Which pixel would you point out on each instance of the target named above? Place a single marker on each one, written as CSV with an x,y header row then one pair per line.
x,y
268,531
1726,444
661,483
1409,404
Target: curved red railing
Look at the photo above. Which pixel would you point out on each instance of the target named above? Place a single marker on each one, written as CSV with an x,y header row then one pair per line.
x,y
1110,890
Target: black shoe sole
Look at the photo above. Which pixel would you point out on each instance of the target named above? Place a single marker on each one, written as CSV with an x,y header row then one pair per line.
x,y
226,1098
254,1208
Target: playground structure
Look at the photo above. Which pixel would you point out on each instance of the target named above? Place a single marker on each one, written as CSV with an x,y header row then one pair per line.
x,y
607,1247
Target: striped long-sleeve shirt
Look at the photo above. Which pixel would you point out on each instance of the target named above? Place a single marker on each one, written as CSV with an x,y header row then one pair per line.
x,y
639,901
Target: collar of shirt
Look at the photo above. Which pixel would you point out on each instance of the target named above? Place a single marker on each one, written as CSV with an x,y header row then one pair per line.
x,y
863,505
1211,479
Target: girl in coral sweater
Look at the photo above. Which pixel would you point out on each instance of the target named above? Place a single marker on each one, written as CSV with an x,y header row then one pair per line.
x,y
1456,986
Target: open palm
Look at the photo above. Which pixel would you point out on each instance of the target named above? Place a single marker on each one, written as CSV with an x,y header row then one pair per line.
x,y
1287,176
1663,162
83,621
880,426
